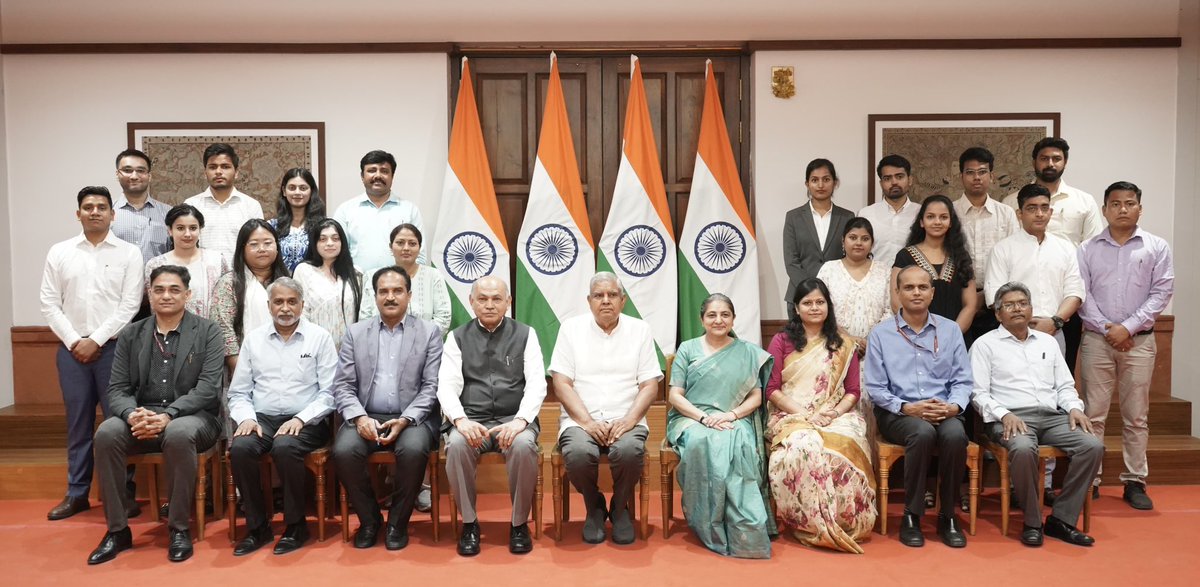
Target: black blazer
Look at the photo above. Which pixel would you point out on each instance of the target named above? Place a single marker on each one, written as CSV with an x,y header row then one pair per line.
x,y
802,252
199,368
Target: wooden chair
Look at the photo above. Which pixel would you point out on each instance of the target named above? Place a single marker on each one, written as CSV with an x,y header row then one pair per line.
x,y
387,457
495,458
1044,452
315,461
209,458
890,453
562,494
668,459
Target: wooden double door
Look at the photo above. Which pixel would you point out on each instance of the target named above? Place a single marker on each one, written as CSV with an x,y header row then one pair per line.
x,y
511,92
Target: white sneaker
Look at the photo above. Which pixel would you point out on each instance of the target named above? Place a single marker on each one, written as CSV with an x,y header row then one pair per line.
x,y
424,499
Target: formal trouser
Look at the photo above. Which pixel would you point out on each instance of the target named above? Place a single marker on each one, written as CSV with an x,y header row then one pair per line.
x,y
180,442
521,460
1061,338
983,323
84,386
1072,333
1051,428
288,453
411,449
581,458
1105,370
919,439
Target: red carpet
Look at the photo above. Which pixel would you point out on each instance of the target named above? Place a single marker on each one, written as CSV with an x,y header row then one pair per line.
x,y
1140,548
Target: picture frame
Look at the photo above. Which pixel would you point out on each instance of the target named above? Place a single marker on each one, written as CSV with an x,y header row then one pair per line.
x,y
265,151
933,143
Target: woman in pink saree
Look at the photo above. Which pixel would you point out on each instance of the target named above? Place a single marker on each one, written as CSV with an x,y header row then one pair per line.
x,y
820,463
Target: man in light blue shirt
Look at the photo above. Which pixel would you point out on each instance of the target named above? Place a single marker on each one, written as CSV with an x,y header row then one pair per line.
x,y
370,217
918,375
141,219
279,397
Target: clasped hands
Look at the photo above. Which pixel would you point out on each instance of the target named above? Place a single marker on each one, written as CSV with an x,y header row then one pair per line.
x,y
144,424
609,431
381,433
476,433
719,420
932,410
1117,337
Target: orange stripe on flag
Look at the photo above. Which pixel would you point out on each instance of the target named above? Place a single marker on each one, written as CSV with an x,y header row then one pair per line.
x,y
714,147
640,148
556,151
468,157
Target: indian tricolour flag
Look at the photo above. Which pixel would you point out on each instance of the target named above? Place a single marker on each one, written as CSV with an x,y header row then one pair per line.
x,y
638,243
469,241
717,250
555,251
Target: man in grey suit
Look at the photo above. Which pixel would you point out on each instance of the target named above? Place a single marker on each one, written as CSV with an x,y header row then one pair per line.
x,y
165,397
812,233
386,390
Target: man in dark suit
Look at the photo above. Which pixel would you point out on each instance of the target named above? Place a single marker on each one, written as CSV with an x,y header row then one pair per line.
x,y
385,388
165,397
805,246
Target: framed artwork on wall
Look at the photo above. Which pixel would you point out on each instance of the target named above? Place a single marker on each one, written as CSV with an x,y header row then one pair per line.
x,y
265,151
933,142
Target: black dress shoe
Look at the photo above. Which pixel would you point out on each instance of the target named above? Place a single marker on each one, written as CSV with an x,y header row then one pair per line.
x,y
468,541
910,531
1048,497
1095,492
254,540
180,548
110,545
294,536
519,541
1031,536
396,537
366,536
1135,494
593,527
952,535
1061,530
68,507
133,511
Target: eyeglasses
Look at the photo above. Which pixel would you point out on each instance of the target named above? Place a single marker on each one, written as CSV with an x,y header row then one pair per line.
x,y
976,172
1010,306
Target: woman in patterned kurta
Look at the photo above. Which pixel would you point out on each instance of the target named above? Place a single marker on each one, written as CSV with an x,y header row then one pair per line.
x,y
185,224
820,465
332,286
297,212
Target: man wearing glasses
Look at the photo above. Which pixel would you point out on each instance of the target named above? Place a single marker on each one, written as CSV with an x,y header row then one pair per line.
x,y
141,219
985,222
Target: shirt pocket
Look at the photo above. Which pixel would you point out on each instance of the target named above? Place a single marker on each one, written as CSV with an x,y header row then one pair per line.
x,y
112,279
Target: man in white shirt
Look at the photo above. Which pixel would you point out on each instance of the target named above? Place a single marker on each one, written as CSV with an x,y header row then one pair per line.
x,y
369,218
491,385
1027,397
605,372
91,288
279,397
985,222
892,217
225,208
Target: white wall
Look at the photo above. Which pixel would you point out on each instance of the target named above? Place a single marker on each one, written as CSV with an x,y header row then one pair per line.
x,y
66,118
6,272
1118,113
1185,372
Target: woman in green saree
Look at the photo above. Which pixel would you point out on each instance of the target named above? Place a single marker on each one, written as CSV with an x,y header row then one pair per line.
x,y
716,426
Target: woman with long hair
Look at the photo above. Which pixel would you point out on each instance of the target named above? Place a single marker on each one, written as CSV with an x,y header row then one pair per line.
x,y
430,298
240,298
820,461
936,243
332,286
297,211
858,284
184,226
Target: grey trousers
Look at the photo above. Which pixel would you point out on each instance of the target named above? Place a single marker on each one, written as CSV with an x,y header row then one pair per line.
x,y
581,457
521,460
411,449
1052,428
182,440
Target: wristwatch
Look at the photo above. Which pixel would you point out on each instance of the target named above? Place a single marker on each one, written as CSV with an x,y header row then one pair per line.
x,y
1058,322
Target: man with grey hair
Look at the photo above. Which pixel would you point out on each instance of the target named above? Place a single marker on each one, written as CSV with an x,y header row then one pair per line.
x,y
491,386
279,398
605,372
1027,397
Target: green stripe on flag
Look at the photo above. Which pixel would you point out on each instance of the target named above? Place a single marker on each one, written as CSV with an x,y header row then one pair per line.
x,y
691,294
459,314
535,311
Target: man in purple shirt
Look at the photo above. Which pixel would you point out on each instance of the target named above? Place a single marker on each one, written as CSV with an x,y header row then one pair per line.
x,y
1129,277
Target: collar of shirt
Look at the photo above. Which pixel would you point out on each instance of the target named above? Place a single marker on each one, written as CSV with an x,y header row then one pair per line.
x,y
234,196
498,327
816,214
301,328
1107,236
1033,335
122,203
596,327
399,325
989,204
110,239
904,323
365,200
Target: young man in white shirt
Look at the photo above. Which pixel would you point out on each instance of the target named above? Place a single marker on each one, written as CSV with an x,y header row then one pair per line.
x,y
225,208
1027,397
91,288
986,221
891,217
370,217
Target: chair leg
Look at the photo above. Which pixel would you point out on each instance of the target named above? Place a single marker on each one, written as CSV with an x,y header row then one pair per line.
x,y
218,484
1041,493
345,507
1087,511
231,504
152,483
320,471
644,494
201,493
883,496
973,488
1005,494
435,499
556,496
537,504
664,486
454,516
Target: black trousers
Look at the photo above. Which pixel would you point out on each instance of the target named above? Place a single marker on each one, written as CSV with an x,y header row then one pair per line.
x,y
288,453
919,439
411,449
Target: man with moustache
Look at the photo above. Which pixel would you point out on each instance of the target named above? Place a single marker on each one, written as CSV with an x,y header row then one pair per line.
x,y
386,391
919,378
491,386
225,208
140,219
165,395
893,216
605,372
91,288
985,222
370,217
279,398
1131,277
1027,398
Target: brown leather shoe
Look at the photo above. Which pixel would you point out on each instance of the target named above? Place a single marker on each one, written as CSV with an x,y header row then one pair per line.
x,y
68,507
